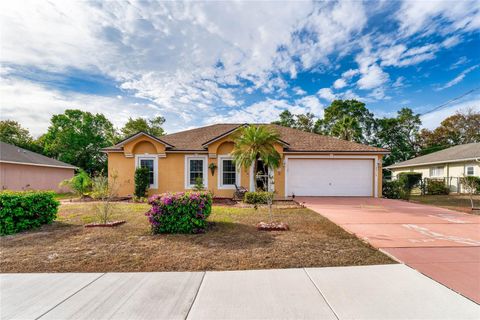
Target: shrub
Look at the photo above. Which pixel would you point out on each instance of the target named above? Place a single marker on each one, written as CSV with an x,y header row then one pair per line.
x,y
180,212
198,184
436,186
410,179
25,210
392,189
142,182
471,184
80,183
259,197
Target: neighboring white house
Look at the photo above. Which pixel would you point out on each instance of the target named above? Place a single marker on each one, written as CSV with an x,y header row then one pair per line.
x,y
450,164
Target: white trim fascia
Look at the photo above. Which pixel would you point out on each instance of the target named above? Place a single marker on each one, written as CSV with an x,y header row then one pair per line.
x,y
429,163
221,186
153,157
187,152
187,170
335,152
38,165
336,156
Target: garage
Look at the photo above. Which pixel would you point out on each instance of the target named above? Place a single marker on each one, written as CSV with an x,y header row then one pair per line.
x,y
330,177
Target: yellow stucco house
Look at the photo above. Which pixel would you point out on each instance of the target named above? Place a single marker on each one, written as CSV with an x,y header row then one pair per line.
x,y
312,164
450,164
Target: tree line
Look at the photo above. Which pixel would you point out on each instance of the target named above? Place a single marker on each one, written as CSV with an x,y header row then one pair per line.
x,y
401,134
76,136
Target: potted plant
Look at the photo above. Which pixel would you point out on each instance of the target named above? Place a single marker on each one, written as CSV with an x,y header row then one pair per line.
x,y
212,166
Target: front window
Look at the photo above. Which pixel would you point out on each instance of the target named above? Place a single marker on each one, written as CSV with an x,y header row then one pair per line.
x,y
196,170
436,172
149,162
470,171
195,167
229,174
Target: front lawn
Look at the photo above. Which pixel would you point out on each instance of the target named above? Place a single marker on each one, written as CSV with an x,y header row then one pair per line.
x,y
233,243
453,202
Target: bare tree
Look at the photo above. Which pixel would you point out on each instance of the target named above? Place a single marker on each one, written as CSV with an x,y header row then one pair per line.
x,y
105,190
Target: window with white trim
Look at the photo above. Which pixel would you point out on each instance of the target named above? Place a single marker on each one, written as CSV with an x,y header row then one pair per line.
x,y
436,171
228,174
149,162
196,167
470,170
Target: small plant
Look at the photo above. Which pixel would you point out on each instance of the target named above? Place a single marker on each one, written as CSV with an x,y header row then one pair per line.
x,y
392,189
257,197
436,187
142,182
25,210
105,190
212,166
81,183
471,185
180,212
198,184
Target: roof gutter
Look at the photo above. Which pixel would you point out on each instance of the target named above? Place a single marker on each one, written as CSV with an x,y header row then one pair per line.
x,y
39,165
428,163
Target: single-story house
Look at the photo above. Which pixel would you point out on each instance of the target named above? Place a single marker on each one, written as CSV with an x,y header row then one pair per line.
x,y
312,164
22,169
450,164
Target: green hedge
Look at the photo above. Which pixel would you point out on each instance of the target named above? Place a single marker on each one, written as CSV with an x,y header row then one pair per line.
x,y
260,197
180,212
392,189
25,210
436,186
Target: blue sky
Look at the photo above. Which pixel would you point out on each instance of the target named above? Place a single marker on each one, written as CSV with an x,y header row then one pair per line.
x,y
198,63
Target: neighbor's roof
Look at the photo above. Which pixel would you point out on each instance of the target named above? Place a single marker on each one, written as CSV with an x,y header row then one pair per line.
x,y
13,154
294,140
462,152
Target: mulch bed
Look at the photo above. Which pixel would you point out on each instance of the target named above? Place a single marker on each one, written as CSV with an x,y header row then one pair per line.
x,y
105,225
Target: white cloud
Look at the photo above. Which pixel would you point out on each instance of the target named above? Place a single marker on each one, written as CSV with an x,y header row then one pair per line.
x,y
299,91
339,83
268,110
33,105
457,79
433,120
442,17
327,94
372,77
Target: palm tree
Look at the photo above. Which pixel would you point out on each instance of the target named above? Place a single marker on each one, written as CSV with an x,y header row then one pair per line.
x,y
347,129
256,142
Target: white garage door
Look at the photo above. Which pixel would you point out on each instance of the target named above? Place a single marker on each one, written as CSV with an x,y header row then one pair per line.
x,y
328,177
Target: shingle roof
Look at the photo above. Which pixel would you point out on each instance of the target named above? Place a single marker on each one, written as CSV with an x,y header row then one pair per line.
x,y
457,153
13,154
296,140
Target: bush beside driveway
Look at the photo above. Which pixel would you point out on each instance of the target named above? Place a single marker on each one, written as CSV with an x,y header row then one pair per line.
x,y
232,243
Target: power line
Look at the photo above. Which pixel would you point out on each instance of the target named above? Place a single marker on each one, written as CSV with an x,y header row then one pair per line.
x,y
450,101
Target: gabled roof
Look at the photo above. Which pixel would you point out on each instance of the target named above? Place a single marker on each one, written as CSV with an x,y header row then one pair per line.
x,y
119,145
293,140
13,154
464,152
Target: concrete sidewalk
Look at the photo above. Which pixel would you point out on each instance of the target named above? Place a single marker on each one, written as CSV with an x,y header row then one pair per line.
x,y
367,292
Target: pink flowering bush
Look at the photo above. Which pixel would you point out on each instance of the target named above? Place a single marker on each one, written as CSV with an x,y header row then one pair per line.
x,y
181,212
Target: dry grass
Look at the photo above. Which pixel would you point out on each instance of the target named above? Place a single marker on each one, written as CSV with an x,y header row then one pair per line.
x,y
233,243
453,202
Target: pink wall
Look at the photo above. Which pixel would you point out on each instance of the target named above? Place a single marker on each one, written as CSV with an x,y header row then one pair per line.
x,y
25,177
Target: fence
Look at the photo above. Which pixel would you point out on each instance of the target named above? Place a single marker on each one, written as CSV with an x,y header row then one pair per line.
x,y
453,184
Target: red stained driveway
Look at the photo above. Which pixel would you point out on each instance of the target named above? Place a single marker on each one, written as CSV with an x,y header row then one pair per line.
x,y
440,243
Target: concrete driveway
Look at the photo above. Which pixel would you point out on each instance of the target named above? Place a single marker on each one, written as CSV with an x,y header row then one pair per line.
x,y
440,243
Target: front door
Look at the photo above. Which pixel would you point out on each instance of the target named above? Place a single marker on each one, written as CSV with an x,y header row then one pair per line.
x,y
262,179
